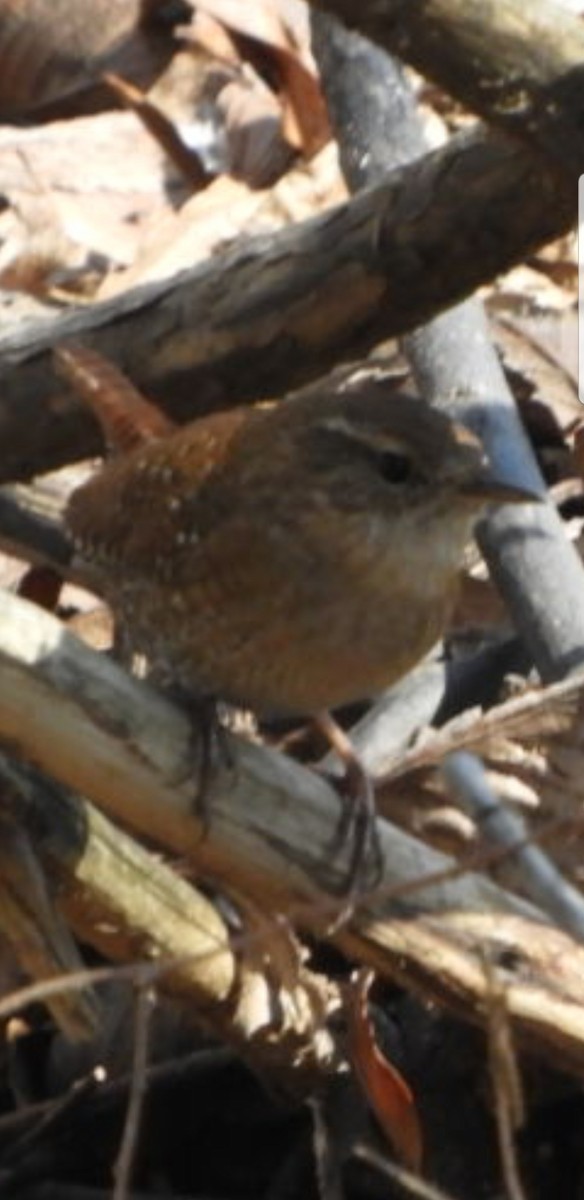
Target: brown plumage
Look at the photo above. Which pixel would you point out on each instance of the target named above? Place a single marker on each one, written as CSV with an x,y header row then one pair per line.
x,y
290,558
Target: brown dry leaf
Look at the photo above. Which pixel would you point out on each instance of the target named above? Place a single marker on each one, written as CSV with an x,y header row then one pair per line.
x,y
310,187
174,241
243,113
51,49
187,161
49,157
538,714
213,37
282,28
386,1090
42,586
64,231
533,749
305,123
274,958
36,252
257,152
65,222
523,286
226,210
95,627
537,302
32,925
559,261
256,147
540,353
263,20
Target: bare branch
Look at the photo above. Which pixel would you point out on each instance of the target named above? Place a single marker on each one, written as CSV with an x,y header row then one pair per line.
x,y
272,823
282,310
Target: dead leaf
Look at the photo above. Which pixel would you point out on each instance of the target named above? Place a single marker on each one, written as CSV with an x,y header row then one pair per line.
x,y
386,1090
258,154
51,50
226,210
538,713
213,37
541,354
42,586
282,28
185,159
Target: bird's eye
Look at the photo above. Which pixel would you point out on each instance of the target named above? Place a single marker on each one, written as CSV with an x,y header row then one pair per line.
x,y
395,467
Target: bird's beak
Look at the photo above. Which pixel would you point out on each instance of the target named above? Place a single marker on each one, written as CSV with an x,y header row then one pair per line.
x,y
488,488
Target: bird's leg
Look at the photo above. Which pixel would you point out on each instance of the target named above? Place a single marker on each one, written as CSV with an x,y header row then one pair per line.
x,y
209,743
212,744
207,732
358,820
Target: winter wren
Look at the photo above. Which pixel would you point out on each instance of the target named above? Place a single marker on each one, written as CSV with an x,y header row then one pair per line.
x,y
291,558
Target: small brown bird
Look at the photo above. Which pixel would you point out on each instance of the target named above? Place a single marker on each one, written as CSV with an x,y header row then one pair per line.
x,y
291,558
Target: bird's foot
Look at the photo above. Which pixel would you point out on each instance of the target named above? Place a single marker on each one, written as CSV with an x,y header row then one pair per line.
x,y
210,746
357,826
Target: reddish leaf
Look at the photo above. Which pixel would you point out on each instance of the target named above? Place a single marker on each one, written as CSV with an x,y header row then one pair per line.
x,y
42,585
279,28
387,1091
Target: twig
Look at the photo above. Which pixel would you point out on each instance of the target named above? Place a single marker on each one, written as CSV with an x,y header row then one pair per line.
x,y
456,366
35,931
506,1080
111,1093
410,1185
271,824
517,65
539,876
110,737
52,1116
145,1001
131,906
290,306
161,128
